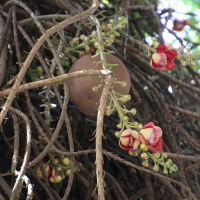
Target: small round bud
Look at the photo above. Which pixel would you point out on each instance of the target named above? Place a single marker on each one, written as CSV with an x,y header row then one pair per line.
x,y
143,147
193,63
169,161
109,26
96,45
165,171
110,41
154,39
111,21
184,63
82,37
66,161
135,124
145,164
39,70
167,164
169,46
140,126
55,179
188,49
144,156
58,169
104,26
178,56
117,134
108,111
67,172
123,99
123,84
125,20
120,26
87,49
133,111
164,155
74,59
117,34
75,40
133,153
155,168
188,55
94,89
57,73
157,155
40,137
105,44
86,39
66,51
77,169
125,118
82,53
120,19
55,161
182,48
119,126
112,36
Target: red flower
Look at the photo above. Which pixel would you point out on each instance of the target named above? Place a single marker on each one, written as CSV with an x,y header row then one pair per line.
x,y
179,25
164,58
129,140
151,135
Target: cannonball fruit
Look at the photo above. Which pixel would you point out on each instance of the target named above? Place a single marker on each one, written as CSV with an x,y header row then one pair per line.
x,y
80,89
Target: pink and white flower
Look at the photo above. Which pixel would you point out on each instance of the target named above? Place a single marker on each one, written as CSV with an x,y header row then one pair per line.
x,y
129,139
151,135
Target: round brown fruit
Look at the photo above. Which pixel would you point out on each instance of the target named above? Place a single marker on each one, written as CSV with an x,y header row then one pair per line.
x,y
80,89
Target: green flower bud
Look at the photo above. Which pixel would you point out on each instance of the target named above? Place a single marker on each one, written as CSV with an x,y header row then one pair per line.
x,y
133,111
82,37
117,134
164,155
125,118
94,89
109,26
155,168
144,156
165,171
96,45
123,84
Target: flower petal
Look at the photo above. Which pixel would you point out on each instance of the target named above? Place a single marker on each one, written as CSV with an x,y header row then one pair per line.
x,y
146,133
136,144
161,67
171,53
149,125
125,141
153,64
126,133
135,134
125,147
170,64
157,58
159,145
161,48
158,131
153,149
153,139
